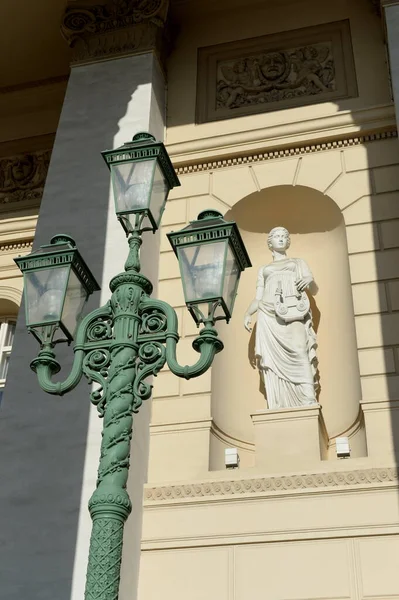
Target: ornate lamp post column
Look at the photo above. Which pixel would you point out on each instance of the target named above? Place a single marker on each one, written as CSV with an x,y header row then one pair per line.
x,y
121,344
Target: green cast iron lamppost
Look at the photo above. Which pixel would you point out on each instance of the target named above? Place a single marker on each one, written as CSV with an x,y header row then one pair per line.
x,y
121,344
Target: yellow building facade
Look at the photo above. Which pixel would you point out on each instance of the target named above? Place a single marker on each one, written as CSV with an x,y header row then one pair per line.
x,y
274,112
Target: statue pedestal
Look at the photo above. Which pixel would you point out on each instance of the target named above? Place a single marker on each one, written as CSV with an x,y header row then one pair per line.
x,y
289,439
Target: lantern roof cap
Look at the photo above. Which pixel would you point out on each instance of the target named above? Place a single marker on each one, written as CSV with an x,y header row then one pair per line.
x,y
60,252
211,226
143,146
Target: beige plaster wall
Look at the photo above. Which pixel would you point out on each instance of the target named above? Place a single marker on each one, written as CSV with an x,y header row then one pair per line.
x,y
307,536
194,421
207,24
363,183
346,569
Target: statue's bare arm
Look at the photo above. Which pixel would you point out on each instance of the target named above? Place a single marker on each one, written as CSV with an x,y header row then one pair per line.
x,y
306,281
252,308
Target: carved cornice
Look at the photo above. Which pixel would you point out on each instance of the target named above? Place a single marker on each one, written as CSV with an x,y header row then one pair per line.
x,y
272,485
220,163
22,177
49,81
21,245
117,28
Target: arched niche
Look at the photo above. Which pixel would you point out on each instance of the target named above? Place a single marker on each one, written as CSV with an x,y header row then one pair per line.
x,y
317,235
8,308
10,300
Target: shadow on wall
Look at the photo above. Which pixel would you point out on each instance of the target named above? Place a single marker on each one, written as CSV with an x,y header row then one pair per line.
x,y
375,261
302,209
318,235
41,500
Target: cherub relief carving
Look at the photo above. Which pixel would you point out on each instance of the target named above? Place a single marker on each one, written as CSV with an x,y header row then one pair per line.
x,y
274,76
22,177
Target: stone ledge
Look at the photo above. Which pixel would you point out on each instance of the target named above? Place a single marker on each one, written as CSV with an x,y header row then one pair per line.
x,y
344,128
335,480
221,162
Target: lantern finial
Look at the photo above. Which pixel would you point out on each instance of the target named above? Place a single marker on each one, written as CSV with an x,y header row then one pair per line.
x,y
62,238
143,136
209,213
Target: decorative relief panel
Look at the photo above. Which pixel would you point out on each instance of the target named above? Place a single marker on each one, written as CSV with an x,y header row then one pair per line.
x,y
289,69
22,177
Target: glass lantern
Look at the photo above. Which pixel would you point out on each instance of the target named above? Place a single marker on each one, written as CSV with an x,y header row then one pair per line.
x,y
57,285
211,257
142,176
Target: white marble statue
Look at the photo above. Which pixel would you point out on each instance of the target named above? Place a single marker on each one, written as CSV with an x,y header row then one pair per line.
x,y
285,345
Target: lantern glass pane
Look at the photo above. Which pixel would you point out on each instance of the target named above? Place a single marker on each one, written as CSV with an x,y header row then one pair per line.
x,y
231,277
201,268
160,191
75,299
45,292
132,185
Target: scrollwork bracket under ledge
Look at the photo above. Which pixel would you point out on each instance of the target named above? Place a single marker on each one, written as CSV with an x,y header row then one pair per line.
x,y
115,28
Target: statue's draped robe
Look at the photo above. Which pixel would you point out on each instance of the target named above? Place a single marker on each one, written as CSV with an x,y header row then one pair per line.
x,y
288,366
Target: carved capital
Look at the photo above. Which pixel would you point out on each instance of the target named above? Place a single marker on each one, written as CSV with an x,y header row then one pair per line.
x,y
22,177
117,28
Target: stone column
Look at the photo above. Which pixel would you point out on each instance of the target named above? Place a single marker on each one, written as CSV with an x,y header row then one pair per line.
x,y
390,9
116,88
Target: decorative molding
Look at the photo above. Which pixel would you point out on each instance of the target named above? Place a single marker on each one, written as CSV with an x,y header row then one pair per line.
x,y
230,441
22,245
116,28
270,485
29,145
11,293
22,177
273,72
234,161
63,79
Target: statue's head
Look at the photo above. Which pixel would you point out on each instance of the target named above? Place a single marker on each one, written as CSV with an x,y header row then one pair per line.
x,y
279,239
